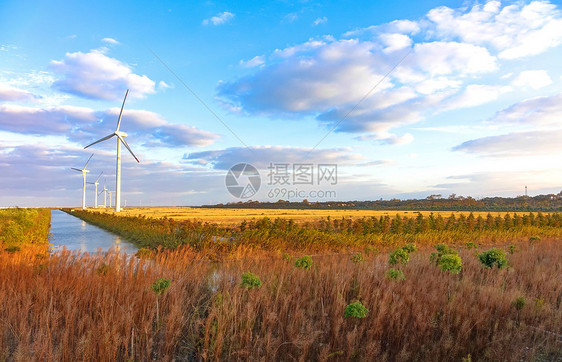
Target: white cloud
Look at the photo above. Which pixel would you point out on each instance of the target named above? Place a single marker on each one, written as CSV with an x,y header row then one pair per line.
x,y
475,95
318,21
515,144
386,138
443,58
164,85
110,41
254,62
262,156
516,30
219,19
51,120
96,76
8,93
534,79
536,111
394,41
84,125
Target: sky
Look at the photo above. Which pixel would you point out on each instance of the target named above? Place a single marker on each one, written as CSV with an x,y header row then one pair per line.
x,y
318,100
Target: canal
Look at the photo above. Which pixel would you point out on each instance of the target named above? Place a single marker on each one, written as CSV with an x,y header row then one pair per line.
x,y
75,234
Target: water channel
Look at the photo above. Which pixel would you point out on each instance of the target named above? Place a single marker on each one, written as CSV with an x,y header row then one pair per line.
x,y
74,234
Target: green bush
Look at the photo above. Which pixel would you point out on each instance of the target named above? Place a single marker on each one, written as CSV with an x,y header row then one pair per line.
x,y
519,303
250,280
304,262
533,239
12,249
471,245
357,258
493,257
395,274
160,285
398,256
451,263
410,248
512,249
356,310
442,249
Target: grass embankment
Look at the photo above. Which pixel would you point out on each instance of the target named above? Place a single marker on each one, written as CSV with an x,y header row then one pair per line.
x,y
326,235
24,227
65,307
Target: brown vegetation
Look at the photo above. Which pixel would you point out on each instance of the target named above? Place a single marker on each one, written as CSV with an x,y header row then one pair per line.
x,y
72,307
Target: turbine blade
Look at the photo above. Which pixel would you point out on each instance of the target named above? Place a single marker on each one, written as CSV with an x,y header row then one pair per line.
x,y
99,177
129,148
100,140
76,169
88,161
121,113
91,183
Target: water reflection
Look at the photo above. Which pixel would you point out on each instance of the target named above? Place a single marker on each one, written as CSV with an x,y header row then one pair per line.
x,y
75,234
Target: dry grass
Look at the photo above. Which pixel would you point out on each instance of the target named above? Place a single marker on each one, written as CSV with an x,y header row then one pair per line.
x,y
236,216
71,307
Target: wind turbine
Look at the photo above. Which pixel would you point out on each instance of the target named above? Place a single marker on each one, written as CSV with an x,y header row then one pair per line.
x,y
96,191
120,139
84,172
109,192
105,189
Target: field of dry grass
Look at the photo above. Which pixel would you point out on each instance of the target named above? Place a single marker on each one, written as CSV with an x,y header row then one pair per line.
x,y
73,307
236,216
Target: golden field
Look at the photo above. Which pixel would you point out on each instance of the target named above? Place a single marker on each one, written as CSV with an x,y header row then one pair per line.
x,y
236,216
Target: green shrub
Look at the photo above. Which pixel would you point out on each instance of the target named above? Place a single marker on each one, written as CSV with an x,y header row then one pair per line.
x,y
519,303
357,258
533,239
304,262
512,249
471,245
451,263
395,274
250,280
493,257
160,286
410,248
356,310
12,249
442,249
398,256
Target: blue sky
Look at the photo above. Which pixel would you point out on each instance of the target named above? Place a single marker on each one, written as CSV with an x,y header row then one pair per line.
x,y
408,99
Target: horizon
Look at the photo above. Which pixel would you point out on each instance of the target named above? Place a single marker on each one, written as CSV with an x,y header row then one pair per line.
x,y
321,101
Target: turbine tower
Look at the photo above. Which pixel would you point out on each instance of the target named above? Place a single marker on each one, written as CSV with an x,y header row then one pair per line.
x,y
120,139
109,192
105,189
84,172
96,191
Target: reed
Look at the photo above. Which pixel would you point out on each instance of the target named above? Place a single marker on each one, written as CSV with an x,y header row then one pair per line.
x,y
71,306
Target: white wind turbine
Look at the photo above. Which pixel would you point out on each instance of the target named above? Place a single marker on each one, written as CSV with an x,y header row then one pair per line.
x,y
96,183
120,139
109,192
105,189
84,172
